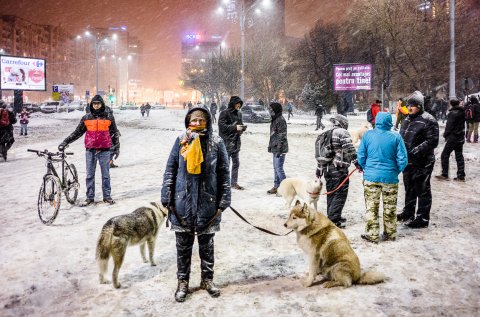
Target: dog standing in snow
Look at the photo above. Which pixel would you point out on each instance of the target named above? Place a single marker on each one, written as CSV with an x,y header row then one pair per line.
x,y
309,192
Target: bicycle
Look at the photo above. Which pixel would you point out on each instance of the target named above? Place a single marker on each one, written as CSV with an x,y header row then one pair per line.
x,y
50,194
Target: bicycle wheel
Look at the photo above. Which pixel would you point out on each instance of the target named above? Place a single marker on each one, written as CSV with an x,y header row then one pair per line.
x,y
71,183
49,199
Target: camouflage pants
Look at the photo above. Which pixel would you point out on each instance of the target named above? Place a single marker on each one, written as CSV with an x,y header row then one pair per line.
x,y
372,192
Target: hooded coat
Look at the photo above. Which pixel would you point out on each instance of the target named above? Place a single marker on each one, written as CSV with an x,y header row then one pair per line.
x,y
196,198
382,153
99,128
345,152
227,126
278,143
455,127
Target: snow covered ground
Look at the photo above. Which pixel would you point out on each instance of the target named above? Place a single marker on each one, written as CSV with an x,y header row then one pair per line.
x,y
51,270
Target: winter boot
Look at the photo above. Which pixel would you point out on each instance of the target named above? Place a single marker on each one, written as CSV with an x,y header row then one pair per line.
x,y
87,202
417,223
441,177
182,291
210,288
468,136
475,138
404,217
369,239
272,191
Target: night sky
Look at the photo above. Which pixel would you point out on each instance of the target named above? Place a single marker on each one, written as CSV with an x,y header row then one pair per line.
x,y
159,24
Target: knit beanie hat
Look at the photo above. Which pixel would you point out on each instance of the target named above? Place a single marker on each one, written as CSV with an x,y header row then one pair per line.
x,y
416,99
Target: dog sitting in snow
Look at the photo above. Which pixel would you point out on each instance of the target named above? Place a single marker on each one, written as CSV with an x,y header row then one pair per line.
x,y
309,192
357,135
328,250
139,227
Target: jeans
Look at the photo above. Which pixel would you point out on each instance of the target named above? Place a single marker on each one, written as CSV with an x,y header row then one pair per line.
x,y
417,188
23,128
184,244
235,157
103,158
279,173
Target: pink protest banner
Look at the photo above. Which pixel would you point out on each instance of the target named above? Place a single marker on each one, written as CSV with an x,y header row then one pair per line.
x,y
348,77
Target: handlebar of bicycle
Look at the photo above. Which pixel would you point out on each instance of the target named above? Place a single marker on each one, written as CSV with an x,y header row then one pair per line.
x,y
45,152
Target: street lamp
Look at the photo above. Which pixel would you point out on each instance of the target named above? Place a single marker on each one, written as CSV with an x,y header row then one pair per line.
x,y
451,89
231,14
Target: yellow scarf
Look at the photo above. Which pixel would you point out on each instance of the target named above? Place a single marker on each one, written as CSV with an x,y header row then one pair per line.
x,y
192,150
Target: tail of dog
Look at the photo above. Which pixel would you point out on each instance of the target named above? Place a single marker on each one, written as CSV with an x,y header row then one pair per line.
x,y
104,247
371,277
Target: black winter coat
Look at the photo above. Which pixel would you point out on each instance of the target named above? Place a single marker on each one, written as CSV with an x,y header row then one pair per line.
x,y
227,128
196,198
420,133
6,133
278,135
455,127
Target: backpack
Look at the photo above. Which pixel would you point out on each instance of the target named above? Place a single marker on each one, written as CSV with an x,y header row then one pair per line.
x,y
469,112
324,152
369,115
4,118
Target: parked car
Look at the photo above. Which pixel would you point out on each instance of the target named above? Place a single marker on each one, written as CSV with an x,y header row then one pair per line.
x,y
157,106
72,106
32,107
50,106
255,114
128,106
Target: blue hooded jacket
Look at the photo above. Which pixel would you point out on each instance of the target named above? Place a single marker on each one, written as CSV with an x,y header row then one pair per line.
x,y
382,153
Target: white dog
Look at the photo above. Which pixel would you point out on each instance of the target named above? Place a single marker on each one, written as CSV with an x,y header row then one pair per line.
x,y
309,192
357,135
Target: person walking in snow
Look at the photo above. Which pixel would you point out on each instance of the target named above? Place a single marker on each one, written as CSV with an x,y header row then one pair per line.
x,y
319,111
382,156
213,111
289,109
24,116
420,134
454,135
7,120
100,133
278,144
472,116
196,189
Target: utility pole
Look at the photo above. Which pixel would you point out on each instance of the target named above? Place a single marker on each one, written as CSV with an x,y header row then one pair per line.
x,y
451,90
242,48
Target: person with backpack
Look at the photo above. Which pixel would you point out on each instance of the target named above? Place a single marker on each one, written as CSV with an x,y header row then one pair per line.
x,y
142,110
100,133
24,115
454,135
7,120
335,152
382,156
420,134
372,112
472,117
278,144
319,111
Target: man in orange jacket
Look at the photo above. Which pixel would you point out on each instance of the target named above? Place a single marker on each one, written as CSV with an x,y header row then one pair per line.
x,y
401,113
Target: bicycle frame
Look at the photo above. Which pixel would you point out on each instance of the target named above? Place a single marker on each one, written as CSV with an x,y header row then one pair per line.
x,y
52,171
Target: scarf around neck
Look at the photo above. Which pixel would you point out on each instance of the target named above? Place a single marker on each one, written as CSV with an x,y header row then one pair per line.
x,y
191,149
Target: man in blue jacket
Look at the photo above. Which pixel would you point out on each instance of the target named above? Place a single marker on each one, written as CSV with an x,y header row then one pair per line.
x,y
382,156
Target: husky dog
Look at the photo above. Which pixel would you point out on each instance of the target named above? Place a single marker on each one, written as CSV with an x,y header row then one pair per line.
x,y
308,192
139,227
328,250
357,135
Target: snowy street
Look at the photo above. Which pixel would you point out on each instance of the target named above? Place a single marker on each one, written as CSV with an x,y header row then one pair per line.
x,y
51,270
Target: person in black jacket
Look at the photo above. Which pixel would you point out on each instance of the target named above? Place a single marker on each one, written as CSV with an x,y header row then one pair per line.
x,y
454,135
420,134
230,128
319,111
6,132
278,144
196,189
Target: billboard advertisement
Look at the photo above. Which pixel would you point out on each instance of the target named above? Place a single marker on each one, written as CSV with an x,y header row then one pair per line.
x,y
22,73
348,77
62,93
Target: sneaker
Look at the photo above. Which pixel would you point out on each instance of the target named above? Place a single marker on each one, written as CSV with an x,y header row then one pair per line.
x,y
340,225
182,291
87,202
385,237
236,186
403,217
210,288
417,223
368,238
459,179
109,200
441,177
272,191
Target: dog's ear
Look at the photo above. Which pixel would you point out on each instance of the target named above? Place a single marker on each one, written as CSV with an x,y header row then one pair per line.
x,y
297,202
308,215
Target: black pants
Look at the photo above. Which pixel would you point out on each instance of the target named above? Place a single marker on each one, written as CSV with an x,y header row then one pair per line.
x,y
335,201
319,123
184,254
449,148
417,188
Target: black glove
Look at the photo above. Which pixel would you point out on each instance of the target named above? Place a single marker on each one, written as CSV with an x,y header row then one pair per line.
x,y
62,146
116,152
318,173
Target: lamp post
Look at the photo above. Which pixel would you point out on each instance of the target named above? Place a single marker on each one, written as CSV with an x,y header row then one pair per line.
x,y
451,89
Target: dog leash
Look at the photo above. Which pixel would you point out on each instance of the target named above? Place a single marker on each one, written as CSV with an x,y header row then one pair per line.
x,y
259,228
341,184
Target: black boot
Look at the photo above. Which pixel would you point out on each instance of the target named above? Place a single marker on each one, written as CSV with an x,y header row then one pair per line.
x,y
417,223
403,217
182,291
210,288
